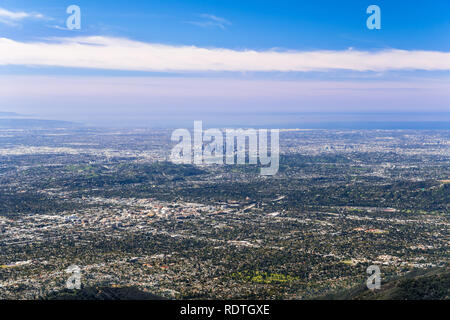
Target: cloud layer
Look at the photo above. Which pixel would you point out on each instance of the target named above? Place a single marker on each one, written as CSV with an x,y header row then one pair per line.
x,y
99,52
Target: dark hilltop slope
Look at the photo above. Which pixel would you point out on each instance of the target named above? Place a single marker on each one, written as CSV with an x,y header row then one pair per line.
x,y
103,293
431,284
36,123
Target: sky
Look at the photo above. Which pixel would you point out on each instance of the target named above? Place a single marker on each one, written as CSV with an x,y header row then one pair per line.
x,y
190,59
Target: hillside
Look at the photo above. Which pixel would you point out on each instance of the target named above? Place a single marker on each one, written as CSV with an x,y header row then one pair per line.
x,y
103,293
432,284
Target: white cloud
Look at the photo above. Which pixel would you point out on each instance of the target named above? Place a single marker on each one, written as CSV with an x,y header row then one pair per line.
x,y
210,20
122,54
11,18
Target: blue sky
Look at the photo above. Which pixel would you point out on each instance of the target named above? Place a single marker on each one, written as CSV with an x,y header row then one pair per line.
x,y
227,55
301,25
